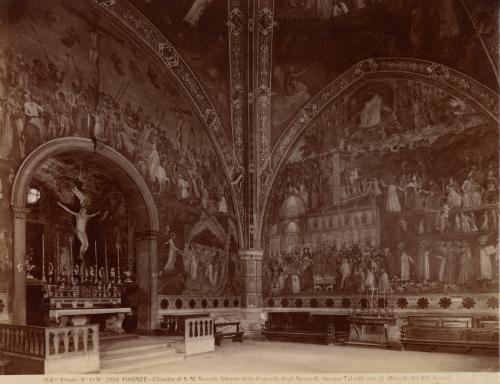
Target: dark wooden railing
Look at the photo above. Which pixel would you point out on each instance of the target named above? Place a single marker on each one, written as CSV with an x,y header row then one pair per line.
x,y
53,347
23,340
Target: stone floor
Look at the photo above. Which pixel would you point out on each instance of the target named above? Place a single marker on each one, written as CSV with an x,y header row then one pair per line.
x,y
261,358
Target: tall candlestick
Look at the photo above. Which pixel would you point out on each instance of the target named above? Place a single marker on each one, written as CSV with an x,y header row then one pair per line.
x,y
70,258
118,267
95,254
385,306
106,261
58,258
43,257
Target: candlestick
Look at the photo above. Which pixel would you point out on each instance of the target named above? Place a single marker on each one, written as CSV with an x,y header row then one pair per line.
x,y
95,254
118,267
70,257
385,306
43,258
106,278
58,256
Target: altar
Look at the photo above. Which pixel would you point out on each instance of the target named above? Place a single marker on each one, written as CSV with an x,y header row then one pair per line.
x,y
81,316
370,328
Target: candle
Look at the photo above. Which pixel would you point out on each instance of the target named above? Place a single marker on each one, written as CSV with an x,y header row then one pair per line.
x,y
106,260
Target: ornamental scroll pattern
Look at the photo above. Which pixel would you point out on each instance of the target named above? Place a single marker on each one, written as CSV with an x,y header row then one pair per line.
x,y
264,38
235,24
124,14
484,16
440,75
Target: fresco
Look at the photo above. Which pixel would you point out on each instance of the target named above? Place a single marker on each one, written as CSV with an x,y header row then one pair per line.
x,y
342,33
412,173
86,78
198,30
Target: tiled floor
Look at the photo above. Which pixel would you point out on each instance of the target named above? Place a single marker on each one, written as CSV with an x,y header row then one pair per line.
x,y
260,358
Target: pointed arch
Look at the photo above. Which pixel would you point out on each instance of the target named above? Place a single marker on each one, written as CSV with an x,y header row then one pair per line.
x,y
432,73
142,31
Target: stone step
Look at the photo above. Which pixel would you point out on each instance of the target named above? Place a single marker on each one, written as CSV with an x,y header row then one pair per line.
x,y
130,366
127,362
133,350
106,339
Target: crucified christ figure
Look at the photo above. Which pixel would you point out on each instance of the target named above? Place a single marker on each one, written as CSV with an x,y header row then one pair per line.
x,y
81,226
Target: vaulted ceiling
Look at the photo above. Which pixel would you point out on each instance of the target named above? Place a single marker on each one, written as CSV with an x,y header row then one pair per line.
x,y
269,66
257,73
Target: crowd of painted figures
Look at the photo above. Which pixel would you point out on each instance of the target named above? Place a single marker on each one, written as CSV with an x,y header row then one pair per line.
x,y
430,266
39,102
208,268
313,180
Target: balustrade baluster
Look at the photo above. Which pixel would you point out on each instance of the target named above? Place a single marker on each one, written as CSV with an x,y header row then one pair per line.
x,y
33,341
9,339
30,336
16,340
190,329
56,343
24,341
85,340
43,346
95,339
196,331
47,341
37,346
76,338
65,335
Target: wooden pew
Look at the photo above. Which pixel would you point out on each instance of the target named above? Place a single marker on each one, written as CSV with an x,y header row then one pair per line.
x,y
451,334
235,335
301,327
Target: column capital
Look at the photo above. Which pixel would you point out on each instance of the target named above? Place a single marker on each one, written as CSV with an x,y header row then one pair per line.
x,y
251,254
20,212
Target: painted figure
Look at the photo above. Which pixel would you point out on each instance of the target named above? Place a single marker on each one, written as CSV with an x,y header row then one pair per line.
x,y
485,253
172,254
405,260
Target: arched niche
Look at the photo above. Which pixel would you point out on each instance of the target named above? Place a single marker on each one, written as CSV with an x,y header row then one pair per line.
x,y
144,239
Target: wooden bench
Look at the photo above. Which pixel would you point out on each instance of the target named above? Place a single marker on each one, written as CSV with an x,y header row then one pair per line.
x,y
307,336
235,335
306,327
464,334
173,324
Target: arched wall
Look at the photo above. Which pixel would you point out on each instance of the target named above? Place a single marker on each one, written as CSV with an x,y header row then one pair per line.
x,y
435,74
146,243
69,144
165,54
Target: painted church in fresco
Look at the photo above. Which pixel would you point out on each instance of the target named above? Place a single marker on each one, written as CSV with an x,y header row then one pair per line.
x,y
67,72
364,157
395,182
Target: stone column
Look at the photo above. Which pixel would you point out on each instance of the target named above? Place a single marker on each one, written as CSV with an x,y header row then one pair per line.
x,y
251,278
146,246
19,273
